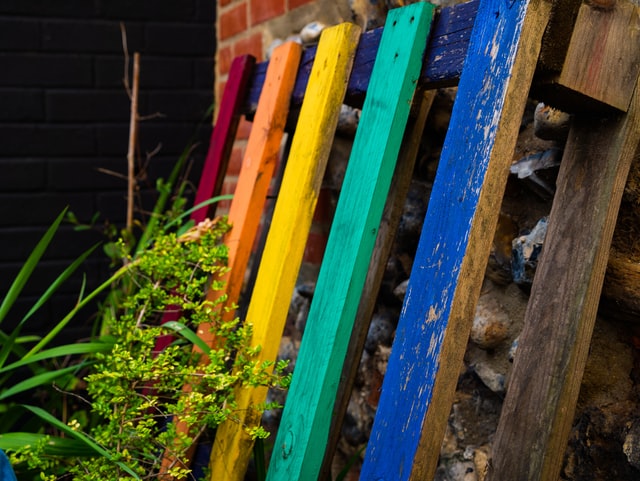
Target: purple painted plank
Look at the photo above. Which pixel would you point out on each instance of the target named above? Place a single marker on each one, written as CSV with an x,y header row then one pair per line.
x,y
223,135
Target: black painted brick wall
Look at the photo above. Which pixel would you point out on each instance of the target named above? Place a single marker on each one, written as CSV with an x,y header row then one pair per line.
x,y
64,117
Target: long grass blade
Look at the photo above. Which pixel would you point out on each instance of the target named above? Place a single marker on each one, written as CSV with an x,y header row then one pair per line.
x,y
28,267
37,380
54,446
42,414
8,344
62,351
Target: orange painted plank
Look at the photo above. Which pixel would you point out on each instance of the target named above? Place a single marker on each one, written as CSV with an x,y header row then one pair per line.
x,y
257,169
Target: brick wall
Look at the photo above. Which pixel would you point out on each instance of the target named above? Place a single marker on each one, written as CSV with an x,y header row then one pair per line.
x,y
250,27
64,114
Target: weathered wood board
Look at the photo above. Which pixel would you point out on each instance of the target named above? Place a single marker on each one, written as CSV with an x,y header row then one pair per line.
x,y
304,427
391,217
539,407
450,262
287,237
256,172
253,182
223,135
442,66
215,165
608,39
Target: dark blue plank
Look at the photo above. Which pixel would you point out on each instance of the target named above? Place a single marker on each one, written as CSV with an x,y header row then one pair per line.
x,y
444,57
445,282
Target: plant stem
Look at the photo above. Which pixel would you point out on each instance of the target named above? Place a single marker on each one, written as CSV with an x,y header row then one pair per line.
x,y
133,139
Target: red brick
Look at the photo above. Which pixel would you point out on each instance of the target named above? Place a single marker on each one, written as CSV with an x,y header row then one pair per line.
x,y
225,2
244,128
251,45
224,60
298,3
235,160
233,21
314,250
263,10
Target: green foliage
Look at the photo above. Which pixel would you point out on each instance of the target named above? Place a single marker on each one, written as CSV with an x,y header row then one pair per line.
x,y
134,391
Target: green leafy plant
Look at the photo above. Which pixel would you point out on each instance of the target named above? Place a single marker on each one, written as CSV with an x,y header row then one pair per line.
x,y
133,391
27,365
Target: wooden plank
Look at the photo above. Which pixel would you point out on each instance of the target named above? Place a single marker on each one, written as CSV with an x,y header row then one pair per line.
x,y
545,382
384,242
258,166
459,226
287,237
609,41
304,427
257,169
215,166
443,59
223,135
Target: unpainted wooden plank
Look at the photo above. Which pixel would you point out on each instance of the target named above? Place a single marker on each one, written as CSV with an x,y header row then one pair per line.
x,y
384,242
223,134
539,407
452,254
304,428
287,237
255,175
604,54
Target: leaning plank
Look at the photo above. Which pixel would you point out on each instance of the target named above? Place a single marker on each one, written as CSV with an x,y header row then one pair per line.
x,y
223,134
444,58
541,398
288,233
304,428
447,274
384,242
215,165
253,182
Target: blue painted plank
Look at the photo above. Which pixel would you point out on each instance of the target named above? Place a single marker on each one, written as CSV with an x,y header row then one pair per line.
x,y
304,428
444,58
447,274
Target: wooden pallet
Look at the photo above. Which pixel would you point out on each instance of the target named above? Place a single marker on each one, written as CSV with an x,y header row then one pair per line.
x,y
490,48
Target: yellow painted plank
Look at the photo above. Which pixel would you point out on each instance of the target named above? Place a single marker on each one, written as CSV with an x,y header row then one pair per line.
x,y
287,237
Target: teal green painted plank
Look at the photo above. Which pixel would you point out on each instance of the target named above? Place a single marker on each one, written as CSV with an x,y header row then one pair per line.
x,y
304,429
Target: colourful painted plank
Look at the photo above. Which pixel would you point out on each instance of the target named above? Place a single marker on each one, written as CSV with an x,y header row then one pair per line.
x,y
539,407
304,428
391,217
459,226
443,59
258,166
288,234
223,135
215,166
257,169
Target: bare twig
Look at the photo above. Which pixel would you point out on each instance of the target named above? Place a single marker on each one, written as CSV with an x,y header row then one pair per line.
x,y
133,137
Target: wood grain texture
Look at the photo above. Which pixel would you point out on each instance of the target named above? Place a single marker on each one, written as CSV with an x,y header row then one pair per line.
x,y
258,165
451,258
287,237
604,54
255,175
540,403
384,242
304,428
223,135
443,59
